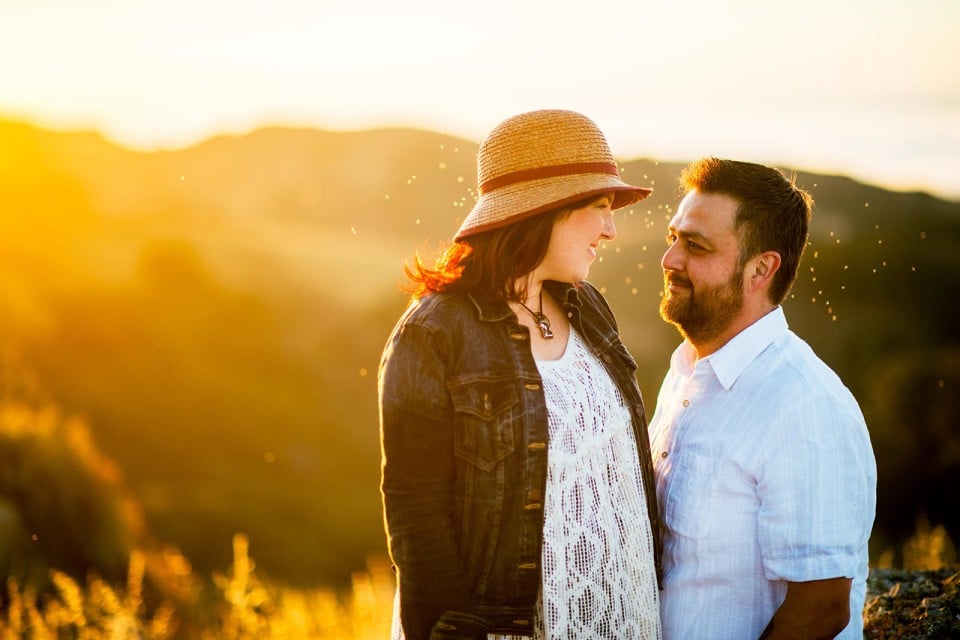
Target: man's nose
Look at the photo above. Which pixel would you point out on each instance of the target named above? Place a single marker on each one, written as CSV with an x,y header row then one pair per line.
x,y
671,260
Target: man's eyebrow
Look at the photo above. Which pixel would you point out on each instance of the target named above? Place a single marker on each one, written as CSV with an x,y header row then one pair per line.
x,y
689,235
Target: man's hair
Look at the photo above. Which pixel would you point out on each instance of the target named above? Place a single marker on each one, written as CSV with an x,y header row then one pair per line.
x,y
490,263
773,214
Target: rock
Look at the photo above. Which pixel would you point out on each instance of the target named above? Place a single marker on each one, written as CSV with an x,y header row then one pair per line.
x,y
912,605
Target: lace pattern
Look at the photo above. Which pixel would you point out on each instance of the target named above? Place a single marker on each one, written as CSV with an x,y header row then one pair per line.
x,y
598,572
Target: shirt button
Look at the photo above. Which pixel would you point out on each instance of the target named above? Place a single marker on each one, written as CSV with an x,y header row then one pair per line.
x,y
663,455
686,403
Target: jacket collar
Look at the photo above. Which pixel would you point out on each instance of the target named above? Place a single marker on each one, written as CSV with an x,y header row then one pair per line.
x,y
491,310
565,293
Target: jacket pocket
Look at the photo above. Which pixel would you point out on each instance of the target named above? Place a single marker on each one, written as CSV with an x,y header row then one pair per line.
x,y
690,496
455,625
485,413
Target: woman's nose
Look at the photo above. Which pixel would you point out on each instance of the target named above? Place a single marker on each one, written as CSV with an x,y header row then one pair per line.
x,y
609,231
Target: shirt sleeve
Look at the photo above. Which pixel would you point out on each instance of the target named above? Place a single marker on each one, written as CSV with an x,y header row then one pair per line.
x,y
817,490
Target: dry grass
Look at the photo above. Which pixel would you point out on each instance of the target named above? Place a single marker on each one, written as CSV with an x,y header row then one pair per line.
x,y
246,607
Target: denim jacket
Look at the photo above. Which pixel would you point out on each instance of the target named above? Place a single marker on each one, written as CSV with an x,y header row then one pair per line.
x,y
463,422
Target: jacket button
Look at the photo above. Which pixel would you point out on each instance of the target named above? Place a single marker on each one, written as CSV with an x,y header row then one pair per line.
x,y
518,336
522,623
532,386
528,565
532,506
537,445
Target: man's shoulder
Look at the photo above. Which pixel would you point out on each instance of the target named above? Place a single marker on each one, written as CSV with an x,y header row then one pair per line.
x,y
799,375
800,359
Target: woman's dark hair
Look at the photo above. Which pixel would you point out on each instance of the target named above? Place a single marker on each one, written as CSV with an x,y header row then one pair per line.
x,y
490,263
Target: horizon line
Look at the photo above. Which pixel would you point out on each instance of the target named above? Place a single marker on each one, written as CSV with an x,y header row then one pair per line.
x,y
197,140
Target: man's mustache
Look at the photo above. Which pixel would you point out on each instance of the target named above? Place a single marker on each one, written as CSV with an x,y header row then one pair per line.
x,y
677,279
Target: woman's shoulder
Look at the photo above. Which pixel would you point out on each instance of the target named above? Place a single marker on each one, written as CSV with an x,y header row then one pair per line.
x,y
591,297
589,291
436,310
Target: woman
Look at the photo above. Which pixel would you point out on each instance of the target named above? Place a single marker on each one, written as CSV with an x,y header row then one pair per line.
x,y
517,483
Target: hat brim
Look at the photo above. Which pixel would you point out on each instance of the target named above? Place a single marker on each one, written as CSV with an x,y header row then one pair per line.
x,y
514,203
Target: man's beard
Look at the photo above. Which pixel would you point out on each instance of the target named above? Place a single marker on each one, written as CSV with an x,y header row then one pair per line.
x,y
703,313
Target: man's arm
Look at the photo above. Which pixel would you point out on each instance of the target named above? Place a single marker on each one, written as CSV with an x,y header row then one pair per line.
x,y
811,610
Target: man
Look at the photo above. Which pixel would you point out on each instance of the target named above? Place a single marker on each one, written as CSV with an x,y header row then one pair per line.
x,y
765,473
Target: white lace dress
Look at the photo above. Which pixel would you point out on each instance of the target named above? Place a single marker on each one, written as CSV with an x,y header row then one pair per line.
x,y
598,576
599,579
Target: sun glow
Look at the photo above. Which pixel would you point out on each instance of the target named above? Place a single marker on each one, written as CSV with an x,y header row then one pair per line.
x,y
832,87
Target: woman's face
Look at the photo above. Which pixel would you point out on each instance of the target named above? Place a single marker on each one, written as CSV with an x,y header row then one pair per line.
x,y
574,241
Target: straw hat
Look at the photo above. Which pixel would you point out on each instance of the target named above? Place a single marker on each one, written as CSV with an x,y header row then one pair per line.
x,y
538,161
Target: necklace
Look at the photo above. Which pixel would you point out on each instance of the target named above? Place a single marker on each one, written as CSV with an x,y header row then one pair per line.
x,y
543,322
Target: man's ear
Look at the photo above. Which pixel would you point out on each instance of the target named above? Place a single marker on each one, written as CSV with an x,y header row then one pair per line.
x,y
764,266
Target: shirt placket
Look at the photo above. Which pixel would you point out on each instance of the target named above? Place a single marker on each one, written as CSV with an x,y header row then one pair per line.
x,y
683,405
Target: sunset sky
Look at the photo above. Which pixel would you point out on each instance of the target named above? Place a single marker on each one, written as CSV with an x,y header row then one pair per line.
x,y
867,88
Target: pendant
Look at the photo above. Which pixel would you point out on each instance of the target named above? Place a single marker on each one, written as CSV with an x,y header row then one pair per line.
x,y
543,323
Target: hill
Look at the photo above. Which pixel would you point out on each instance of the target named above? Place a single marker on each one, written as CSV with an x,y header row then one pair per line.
x,y
216,314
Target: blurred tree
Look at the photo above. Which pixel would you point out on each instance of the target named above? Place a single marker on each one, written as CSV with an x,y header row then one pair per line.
x,y
913,414
61,502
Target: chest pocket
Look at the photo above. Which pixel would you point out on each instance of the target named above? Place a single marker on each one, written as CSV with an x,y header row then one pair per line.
x,y
691,494
486,413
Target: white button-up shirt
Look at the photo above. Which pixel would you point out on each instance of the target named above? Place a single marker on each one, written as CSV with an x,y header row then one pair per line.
x,y
765,474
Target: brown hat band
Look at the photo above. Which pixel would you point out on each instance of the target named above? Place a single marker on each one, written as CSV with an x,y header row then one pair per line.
x,y
539,173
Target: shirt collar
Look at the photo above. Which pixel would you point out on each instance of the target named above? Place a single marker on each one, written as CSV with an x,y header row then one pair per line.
x,y
733,358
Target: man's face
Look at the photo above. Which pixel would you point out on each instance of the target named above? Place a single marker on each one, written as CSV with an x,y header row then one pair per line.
x,y
702,277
